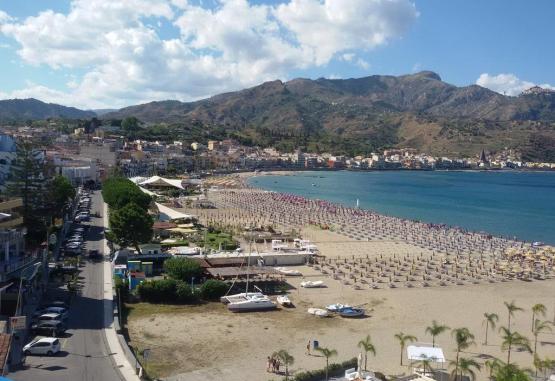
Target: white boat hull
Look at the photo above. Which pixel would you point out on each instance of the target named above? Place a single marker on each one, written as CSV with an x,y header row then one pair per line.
x,y
251,305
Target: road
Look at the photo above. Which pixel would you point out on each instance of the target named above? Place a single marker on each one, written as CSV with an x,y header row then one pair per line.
x,y
85,355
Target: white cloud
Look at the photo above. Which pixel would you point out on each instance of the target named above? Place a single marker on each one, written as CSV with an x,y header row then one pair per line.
x,y
508,84
233,45
330,26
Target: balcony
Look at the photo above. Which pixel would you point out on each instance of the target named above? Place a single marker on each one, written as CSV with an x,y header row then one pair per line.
x,y
12,268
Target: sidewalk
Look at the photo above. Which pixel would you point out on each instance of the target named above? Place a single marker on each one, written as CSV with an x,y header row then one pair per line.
x,y
121,362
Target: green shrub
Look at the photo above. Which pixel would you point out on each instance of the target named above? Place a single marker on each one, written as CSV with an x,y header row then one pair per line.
x,y
158,291
182,268
213,289
184,293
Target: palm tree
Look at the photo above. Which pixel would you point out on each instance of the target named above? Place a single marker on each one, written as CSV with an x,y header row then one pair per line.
x,y
511,309
490,320
543,365
327,353
424,363
510,372
537,309
287,360
435,330
403,340
367,346
539,327
513,340
463,340
492,364
463,367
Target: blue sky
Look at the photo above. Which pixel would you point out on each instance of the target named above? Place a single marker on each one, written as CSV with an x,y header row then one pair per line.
x,y
161,49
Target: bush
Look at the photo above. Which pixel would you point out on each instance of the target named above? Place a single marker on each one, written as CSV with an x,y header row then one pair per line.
x,y
334,371
158,291
184,293
182,269
213,289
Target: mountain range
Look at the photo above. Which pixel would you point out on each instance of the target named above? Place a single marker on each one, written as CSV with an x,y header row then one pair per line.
x,y
362,114
33,109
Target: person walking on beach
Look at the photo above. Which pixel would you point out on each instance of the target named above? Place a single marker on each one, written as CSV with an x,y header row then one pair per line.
x,y
308,348
268,364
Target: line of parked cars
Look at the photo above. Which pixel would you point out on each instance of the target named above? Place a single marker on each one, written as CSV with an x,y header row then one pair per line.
x,y
74,243
50,320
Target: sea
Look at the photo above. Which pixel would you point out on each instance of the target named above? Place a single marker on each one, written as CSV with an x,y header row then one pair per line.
x,y
514,204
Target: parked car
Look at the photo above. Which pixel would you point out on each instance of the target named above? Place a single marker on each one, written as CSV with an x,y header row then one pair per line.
x,y
45,346
52,328
57,303
51,316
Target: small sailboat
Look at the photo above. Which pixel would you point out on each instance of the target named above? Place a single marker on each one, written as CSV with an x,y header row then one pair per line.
x,y
284,300
312,284
249,301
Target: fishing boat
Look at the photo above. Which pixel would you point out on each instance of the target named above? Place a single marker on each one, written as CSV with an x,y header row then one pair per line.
x,y
312,283
336,307
351,312
284,300
318,312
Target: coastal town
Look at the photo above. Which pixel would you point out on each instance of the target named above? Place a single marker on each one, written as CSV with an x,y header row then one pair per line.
x,y
179,229
277,190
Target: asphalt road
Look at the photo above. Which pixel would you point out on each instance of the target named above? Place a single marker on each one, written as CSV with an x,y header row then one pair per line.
x,y
84,354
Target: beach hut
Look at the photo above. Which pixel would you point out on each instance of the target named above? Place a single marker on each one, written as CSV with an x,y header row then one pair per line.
x,y
420,352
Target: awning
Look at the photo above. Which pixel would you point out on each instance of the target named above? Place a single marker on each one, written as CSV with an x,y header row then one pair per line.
x,y
160,181
418,353
169,214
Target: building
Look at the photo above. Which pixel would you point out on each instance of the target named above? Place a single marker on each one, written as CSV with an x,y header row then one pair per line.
x,y
7,156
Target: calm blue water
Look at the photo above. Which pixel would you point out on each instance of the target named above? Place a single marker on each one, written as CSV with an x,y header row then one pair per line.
x,y
520,204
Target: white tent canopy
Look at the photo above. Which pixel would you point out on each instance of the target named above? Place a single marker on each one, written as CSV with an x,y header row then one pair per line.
x,y
161,181
169,214
420,352
144,190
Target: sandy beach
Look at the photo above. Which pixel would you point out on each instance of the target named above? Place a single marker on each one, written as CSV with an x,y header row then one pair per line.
x,y
404,274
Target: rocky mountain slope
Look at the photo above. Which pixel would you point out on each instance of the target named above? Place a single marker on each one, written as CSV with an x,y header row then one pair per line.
x,y
33,109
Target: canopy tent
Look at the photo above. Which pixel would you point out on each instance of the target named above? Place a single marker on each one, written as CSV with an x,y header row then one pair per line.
x,y
144,190
420,352
162,182
169,214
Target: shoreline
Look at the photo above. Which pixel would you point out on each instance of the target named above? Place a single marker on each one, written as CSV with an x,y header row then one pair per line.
x,y
247,177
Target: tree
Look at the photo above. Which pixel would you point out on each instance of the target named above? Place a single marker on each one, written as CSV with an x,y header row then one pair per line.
x,y
213,289
131,226
327,353
425,363
511,309
509,372
490,320
403,340
537,309
28,180
130,124
513,340
367,346
463,340
182,268
60,192
286,359
543,365
118,192
492,364
436,329
464,366
539,327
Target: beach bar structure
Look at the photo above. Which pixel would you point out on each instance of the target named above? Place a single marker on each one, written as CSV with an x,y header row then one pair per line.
x,y
418,352
263,259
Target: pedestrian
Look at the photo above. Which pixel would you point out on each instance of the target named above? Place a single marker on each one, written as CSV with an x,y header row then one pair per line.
x,y
308,348
268,364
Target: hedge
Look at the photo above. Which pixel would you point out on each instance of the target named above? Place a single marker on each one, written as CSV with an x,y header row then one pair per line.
x,y
334,370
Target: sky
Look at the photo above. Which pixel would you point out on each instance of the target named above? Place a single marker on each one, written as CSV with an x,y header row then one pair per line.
x,y
96,54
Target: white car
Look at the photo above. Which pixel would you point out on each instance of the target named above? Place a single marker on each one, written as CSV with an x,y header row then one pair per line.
x,y
46,346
